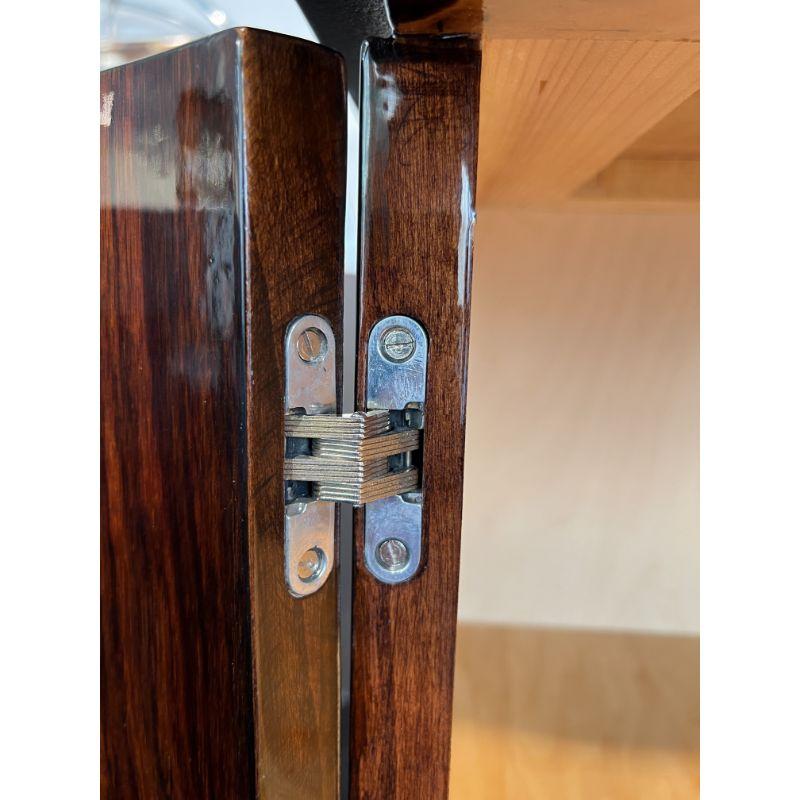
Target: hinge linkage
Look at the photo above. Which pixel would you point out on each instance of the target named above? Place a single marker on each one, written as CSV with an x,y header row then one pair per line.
x,y
355,458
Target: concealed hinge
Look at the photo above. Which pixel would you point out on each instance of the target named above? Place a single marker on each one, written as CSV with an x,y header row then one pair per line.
x,y
370,458
356,458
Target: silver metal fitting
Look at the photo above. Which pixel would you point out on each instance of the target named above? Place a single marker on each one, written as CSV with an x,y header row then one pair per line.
x,y
397,364
393,537
397,345
365,458
308,545
309,524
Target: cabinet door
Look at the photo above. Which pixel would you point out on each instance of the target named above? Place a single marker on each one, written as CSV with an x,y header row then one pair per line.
x,y
419,107
222,208
223,172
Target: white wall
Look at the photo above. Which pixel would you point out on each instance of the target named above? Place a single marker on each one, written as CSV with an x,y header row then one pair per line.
x,y
581,484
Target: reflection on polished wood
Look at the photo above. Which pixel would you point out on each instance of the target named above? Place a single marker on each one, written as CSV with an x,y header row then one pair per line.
x,y
420,109
574,715
215,682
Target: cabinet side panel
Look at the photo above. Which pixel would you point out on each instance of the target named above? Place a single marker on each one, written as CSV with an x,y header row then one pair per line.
x,y
419,129
295,127
176,676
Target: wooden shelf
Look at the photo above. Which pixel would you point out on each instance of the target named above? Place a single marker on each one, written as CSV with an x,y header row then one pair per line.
x,y
557,113
574,715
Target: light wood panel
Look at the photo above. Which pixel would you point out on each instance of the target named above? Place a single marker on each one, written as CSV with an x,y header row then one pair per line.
x,y
555,112
611,19
662,165
574,715
677,136
641,179
588,322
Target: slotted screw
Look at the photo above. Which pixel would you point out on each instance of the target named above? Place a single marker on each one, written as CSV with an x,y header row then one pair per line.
x,y
398,345
312,345
392,554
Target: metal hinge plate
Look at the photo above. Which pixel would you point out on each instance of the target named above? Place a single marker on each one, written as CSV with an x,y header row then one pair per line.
x,y
366,458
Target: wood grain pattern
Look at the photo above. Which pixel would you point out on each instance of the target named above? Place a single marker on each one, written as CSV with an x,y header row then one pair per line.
x,y
567,714
662,166
567,86
555,112
175,665
205,659
420,116
655,20
295,250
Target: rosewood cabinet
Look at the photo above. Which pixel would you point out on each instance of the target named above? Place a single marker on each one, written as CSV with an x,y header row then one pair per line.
x,y
222,214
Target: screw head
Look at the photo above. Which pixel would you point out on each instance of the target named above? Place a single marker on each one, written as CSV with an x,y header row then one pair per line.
x,y
398,345
311,565
312,345
392,554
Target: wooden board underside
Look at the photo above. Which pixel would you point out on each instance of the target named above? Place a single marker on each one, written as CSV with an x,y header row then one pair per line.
x,y
654,20
556,112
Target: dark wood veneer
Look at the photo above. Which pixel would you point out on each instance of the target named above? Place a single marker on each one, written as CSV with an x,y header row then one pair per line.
x,y
294,106
222,206
420,121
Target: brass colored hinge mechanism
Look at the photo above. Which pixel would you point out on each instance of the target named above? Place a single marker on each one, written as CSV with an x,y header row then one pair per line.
x,y
368,458
356,458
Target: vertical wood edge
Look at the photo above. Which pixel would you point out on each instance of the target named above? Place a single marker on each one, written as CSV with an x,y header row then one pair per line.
x,y
294,265
418,180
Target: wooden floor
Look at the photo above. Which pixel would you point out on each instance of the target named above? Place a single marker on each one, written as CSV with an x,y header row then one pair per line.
x,y
574,715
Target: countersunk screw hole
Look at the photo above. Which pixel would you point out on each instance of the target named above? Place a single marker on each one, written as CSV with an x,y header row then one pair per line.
x,y
311,565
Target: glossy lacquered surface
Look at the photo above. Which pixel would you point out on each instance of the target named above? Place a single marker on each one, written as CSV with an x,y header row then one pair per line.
x,y
419,139
222,185
294,111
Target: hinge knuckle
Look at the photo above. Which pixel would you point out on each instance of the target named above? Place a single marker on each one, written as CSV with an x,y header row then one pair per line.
x,y
355,458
